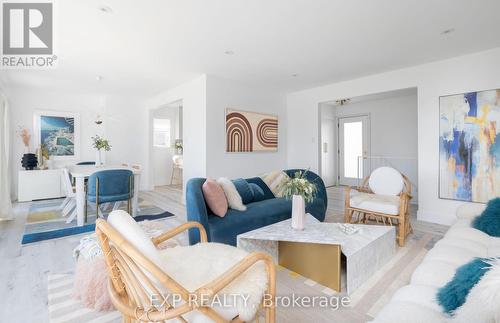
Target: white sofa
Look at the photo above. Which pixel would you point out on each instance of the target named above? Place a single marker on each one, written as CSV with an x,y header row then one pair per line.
x,y
416,302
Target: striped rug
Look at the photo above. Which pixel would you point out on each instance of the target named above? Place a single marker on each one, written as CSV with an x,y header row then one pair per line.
x,y
64,309
365,302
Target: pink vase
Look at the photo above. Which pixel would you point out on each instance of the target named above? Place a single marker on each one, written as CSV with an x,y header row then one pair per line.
x,y
298,212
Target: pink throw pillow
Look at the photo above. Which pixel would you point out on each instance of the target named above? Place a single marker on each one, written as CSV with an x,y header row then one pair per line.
x,y
215,197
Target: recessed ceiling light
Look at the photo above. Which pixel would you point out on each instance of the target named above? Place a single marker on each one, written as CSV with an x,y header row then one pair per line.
x,y
447,31
105,9
98,78
229,52
295,75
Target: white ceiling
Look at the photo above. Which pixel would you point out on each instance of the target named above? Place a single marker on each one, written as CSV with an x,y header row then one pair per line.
x,y
148,46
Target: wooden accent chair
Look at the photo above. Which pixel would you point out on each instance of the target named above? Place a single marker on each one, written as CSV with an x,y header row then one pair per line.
x,y
383,198
139,273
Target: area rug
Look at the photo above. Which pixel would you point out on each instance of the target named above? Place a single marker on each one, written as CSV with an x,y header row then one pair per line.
x,y
45,220
362,305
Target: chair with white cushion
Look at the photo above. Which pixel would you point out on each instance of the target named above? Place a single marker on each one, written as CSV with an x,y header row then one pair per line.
x,y
384,198
197,283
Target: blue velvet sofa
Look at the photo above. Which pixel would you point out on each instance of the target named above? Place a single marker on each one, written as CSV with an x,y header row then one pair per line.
x,y
258,214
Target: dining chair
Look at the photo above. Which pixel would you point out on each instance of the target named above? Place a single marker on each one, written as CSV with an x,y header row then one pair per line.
x,y
111,185
177,166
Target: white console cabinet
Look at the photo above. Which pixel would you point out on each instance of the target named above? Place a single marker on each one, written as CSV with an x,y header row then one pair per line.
x,y
40,184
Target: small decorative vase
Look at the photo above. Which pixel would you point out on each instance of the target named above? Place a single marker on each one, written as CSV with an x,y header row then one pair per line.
x,y
98,158
49,163
29,161
298,212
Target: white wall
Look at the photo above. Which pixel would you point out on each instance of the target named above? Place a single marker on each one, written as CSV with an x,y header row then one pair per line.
x,y
193,96
222,94
473,72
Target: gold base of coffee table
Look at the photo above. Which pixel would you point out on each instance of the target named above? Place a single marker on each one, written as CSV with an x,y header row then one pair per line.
x,y
316,261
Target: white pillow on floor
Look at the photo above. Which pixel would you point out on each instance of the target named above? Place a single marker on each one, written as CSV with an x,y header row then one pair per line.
x,y
481,305
233,197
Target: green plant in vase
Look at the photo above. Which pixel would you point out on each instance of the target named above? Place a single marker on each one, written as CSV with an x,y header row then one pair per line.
x,y
300,190
100,144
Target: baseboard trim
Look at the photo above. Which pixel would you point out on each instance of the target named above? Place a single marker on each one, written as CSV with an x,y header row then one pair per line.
x,y
433,217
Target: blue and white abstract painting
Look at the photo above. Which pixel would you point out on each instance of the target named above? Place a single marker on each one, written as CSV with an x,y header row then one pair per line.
x,y
58,135
469,146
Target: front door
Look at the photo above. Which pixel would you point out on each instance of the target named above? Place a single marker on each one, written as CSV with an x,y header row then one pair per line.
x,y
353,149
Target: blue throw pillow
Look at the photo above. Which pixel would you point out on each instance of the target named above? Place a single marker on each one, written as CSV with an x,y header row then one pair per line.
x,y
452,295
258,193
244,190
489,220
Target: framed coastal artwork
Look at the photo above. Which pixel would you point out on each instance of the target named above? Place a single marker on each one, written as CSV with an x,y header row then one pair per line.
x,y
469,146
59,132
251,131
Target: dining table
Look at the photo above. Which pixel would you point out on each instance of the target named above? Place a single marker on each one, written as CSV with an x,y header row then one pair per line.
x,y
82,172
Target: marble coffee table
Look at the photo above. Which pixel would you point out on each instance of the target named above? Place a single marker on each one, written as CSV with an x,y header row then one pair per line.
x,y
315,252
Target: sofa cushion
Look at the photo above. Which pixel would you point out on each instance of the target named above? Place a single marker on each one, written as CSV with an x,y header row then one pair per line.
x,y
258,193
388,204
274,180
397,312
418,294
433,273
259,182
453,294
215,197
386,181
233,197
244,190
489,221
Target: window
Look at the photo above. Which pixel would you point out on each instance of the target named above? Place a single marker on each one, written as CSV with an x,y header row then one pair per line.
x,y
161,133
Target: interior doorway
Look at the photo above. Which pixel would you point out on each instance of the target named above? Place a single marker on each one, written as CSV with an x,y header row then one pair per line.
x,y
359,134
167,145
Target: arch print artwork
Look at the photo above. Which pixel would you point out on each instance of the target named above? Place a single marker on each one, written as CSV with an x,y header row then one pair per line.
x,y
250,131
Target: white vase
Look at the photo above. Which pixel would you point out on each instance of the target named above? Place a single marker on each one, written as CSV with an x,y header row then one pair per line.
x,y
98,158
298,212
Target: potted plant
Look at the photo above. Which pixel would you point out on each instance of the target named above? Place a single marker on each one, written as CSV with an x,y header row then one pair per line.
x,y
178,146
301,191
44,157
101,145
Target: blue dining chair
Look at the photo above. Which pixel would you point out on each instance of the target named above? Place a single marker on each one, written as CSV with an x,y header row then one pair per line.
x,y
86,163
108,186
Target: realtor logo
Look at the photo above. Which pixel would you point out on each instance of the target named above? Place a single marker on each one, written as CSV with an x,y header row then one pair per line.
x,y
27,35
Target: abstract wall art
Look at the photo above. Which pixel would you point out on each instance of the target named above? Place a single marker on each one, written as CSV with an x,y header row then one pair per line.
x,y
59,132
250,131
469,146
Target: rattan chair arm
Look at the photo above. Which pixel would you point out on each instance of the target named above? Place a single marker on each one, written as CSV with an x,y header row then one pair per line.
x,y
234,272
172,233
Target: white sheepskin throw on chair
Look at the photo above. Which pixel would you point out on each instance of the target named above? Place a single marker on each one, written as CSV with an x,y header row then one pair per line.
x,y
195,266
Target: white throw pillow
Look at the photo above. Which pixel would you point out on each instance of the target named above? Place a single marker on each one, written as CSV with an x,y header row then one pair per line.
x,y
274,180
481,305
233,197
386,181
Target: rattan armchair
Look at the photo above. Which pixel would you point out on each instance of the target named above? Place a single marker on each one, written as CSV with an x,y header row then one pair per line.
x,y
133,278
363,205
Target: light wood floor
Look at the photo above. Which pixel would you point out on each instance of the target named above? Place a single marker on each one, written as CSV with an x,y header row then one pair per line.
x,y
24,270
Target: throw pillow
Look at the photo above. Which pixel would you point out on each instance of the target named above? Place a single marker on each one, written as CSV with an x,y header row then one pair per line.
x,y
489,220
233,197
482,302
258,193
215,197
452,295
274,180
244,190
